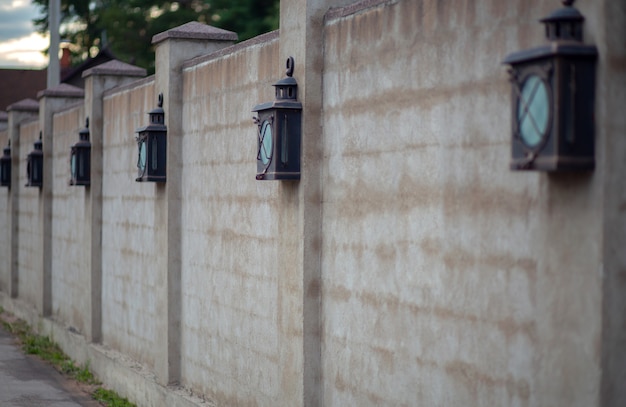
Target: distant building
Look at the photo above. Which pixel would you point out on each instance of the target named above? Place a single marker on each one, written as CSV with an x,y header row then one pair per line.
x,y
74,75
18,84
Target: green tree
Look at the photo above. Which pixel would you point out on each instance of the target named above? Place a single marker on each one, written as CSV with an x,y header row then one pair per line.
x,y
126,27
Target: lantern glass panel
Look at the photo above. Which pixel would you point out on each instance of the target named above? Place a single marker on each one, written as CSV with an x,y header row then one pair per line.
x,y
533,111
5,172
265,142
73,164
142,157
154,150
81,166
284,136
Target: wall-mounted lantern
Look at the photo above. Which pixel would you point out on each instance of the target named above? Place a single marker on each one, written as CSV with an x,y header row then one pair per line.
x,y
279,131
5,166
34,166
553,98
152,147
80,158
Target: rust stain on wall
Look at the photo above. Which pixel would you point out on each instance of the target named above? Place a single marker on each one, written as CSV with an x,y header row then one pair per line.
x,y
338,293
385,253
510,329
476,198
425,98
459,258
390,303
363,198
346,385
385,358
431,246
474,379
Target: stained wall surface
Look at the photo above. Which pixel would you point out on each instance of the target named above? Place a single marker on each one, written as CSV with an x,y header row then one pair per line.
x,y
447,278
30,249
230,238
129,306
70,281
444,279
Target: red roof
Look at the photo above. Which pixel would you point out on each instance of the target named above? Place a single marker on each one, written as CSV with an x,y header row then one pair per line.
x,y
18,84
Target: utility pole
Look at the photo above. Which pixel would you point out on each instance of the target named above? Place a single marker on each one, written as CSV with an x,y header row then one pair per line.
x,y
54,17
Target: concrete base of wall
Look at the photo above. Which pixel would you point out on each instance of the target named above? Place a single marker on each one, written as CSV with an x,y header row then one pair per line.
x,y
116,371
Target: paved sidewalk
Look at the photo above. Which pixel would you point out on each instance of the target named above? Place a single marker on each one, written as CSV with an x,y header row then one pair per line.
x,y
26,381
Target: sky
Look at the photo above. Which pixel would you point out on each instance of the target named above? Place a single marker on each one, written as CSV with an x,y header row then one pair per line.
x,y
20,45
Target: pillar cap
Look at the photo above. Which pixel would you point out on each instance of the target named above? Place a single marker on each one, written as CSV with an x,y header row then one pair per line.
x,y
195,31
24,105
115,68
63,90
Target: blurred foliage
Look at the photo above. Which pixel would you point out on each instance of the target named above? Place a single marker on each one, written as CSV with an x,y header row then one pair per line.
x,y
126,27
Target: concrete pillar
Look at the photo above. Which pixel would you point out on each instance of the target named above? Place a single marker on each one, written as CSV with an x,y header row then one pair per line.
x,y
97,80
302,36
4,120
20,112
610,159
51,100
173,47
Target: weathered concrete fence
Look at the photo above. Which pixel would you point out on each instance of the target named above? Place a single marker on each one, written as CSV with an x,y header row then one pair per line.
x,y
408,266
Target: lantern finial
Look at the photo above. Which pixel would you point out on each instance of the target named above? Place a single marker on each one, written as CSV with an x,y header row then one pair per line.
x,y
87,122
568,3
160,102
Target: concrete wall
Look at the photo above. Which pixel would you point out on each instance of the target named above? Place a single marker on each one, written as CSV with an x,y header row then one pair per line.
x,y
447,278
30,249
70,298
408,266
230,240
609,31
129,306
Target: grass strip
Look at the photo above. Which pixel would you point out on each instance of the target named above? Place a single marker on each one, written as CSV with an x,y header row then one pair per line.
x,y
48,350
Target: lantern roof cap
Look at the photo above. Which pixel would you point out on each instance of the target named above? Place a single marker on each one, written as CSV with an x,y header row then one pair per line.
x,y
564,24
38,144
84,132
564,14
288,81
159,109
156,110
157,118
570,49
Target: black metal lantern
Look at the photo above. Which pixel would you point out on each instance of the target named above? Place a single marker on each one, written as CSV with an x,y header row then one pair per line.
x,y
80,158
34,165
279,131
152,147
553,98
5,166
